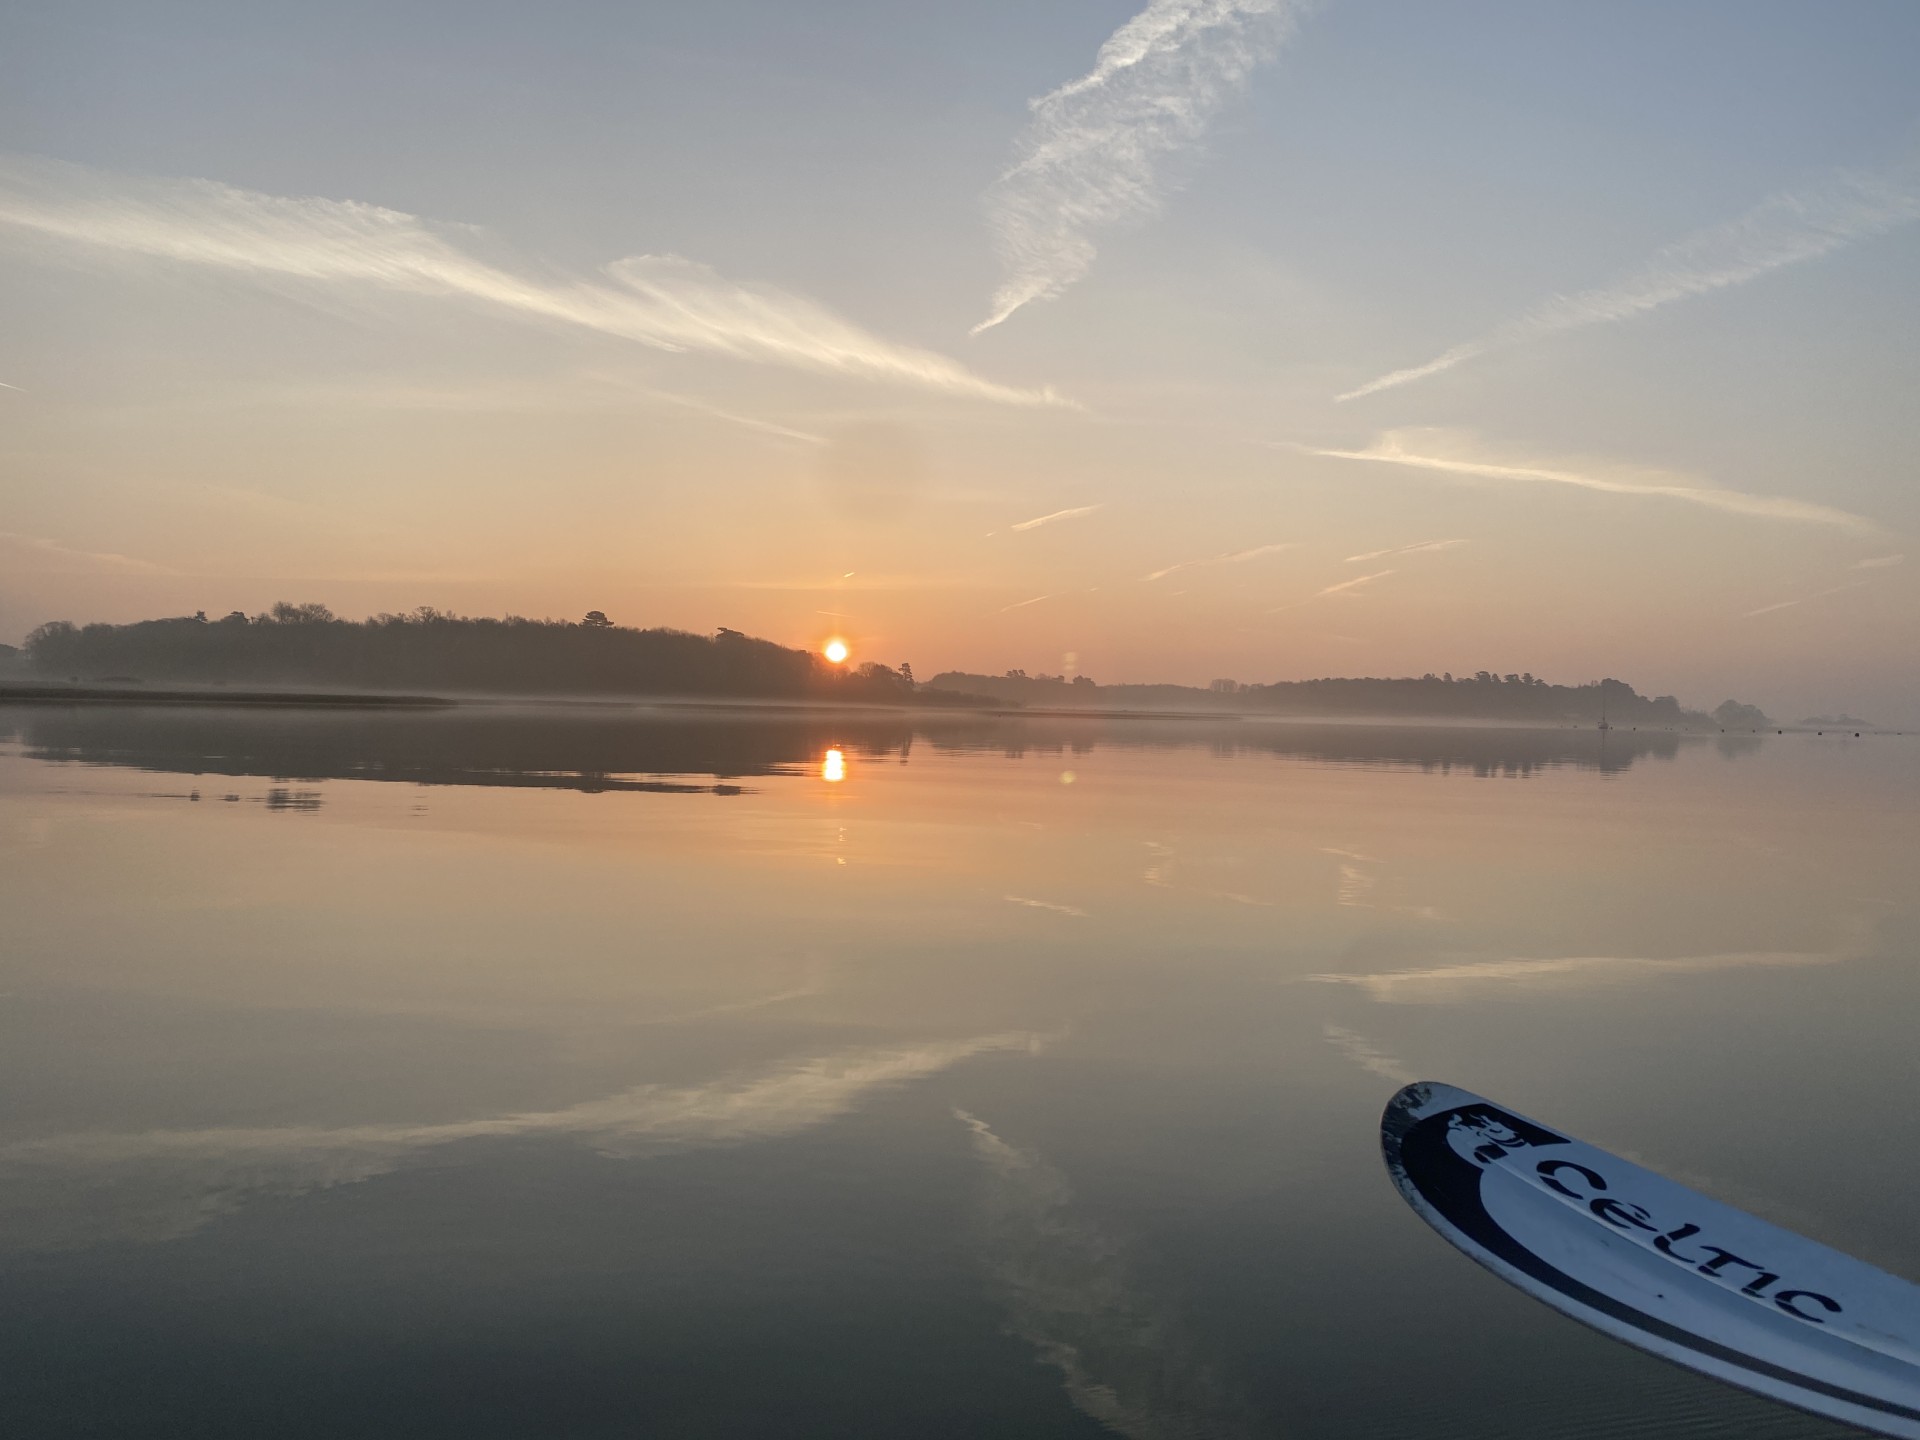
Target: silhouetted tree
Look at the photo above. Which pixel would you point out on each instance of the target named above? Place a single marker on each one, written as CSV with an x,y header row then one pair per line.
x,y
311,613
597,620
1731,713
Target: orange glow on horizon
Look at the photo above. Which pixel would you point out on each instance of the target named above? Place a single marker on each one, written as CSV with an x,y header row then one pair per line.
x,y
836,650
833,767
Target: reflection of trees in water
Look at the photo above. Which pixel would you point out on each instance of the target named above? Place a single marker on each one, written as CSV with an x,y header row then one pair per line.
x,y
617,748
1484,751
588,750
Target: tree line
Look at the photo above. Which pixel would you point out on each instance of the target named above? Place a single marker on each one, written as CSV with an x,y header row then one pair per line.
x,y
307,644
1484,695
429,649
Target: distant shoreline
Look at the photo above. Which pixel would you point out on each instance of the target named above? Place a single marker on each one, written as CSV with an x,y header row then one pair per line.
x,y
293,699
129,695
12,694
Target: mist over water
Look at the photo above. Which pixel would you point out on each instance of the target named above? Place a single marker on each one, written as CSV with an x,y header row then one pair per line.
x,y
514,1071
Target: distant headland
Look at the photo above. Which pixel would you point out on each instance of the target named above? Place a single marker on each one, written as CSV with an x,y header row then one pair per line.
x,y
428,650
1516,699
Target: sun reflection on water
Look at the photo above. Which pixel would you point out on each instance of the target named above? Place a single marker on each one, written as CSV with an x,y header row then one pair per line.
x,y
833,767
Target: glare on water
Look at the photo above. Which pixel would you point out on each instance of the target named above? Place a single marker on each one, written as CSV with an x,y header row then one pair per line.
x,y
580,1059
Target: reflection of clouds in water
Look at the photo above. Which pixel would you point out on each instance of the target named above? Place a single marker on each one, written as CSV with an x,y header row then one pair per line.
x,y
1364,1053
1354,887
1160,866
1447,984
79,1189
1159,874
1066,1286
736,1007
1045,905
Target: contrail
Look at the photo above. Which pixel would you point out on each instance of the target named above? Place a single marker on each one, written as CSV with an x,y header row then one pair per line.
x,y
1232,557
1452,452
1039,520
662,301
1022,604
1354,584
1091,154
1344,587
1423,546
1818,594
1879,562
1784,229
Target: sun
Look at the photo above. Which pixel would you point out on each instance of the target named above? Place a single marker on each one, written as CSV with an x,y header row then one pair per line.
x,y
836,651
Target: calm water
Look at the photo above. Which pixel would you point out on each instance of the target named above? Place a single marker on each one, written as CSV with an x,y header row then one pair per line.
x,y
544,1073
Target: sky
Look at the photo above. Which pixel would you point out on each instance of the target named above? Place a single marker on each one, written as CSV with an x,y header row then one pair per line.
x,y
1168,341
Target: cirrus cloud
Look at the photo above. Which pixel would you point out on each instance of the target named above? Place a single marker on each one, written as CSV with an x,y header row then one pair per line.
x,y
1091,155
665,302
1786,228
1460,454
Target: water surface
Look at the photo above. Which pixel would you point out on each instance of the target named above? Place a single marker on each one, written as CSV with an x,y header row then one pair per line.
x,y
613,1072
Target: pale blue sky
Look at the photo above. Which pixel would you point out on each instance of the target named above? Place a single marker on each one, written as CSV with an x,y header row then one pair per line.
x,y
1360,192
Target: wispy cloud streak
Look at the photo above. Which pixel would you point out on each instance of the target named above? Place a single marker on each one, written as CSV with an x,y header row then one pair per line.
x,y
1039,520
1022,604
1457,453
1421,548
662,301
1784,229
1803,599
1346,587
580,391
1879,562
1232,557
1343,587
33,553
1091,155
